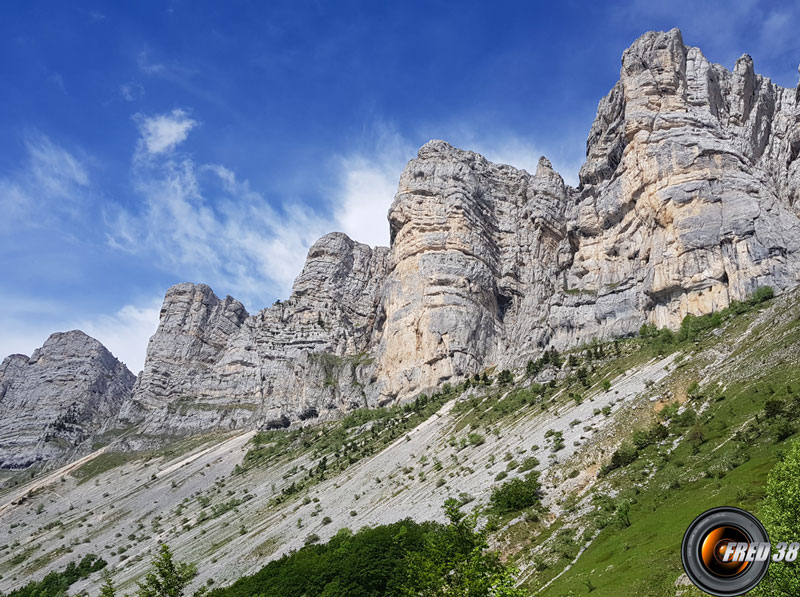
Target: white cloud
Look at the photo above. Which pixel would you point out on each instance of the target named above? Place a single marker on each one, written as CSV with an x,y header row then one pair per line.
x,y
126,332
367,185
131,91
28,322
50,187
238,242
162,133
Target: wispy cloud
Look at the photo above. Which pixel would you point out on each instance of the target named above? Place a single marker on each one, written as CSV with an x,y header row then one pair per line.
x,y
49,187
148,66
126,332
366,186
202,222
131,91
162,133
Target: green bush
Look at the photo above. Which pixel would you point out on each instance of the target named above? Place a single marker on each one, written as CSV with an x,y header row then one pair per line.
x,y
517,494
779,515
166,578
528,464
623,456
505,377
55,584
476,439
400,559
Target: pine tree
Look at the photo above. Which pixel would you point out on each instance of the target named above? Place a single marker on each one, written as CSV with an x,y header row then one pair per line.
x,y
107,590
555,358
167,577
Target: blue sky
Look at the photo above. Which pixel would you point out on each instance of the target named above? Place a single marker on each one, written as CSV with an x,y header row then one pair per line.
x,y
149,143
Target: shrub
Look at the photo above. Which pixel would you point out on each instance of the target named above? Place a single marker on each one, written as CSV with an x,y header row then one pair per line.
x,y
404,558
762,294
623,456
166,577
57,583
476,439
779,514
782,428
517,494
528,464
773,408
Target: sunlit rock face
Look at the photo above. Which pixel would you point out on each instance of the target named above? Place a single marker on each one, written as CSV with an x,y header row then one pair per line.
x,y
69,391
474,259
211,365
688,199
688,196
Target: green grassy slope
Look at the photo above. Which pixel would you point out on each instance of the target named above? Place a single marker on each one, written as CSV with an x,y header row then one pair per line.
x,y
723,442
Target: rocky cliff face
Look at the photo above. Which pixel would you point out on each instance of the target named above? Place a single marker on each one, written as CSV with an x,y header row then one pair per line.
x,y
68,391
211,365
688,199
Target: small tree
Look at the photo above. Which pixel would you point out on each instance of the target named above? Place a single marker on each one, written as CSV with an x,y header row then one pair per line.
x,y
780,516
107,590
167,577
457,562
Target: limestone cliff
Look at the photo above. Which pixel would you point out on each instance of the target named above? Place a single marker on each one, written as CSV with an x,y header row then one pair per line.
x,y
211,365
68,391
688,199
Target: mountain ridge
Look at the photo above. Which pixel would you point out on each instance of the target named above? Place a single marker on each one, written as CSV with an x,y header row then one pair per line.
x,y
688,199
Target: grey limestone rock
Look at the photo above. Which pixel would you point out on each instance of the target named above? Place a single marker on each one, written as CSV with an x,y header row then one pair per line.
x,y
689,198
68,392
210,365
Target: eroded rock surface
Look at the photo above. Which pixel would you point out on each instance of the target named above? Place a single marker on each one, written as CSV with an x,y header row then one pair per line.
x,y
67,392
210,365
688,199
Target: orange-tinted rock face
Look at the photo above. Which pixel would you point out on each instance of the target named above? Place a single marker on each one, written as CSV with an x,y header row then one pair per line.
x,y
687,200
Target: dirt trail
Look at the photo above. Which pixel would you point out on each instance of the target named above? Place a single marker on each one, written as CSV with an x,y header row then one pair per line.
x,y
48,479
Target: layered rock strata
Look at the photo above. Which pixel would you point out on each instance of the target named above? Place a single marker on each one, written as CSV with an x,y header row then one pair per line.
x,y
211,365
689,198
68,392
